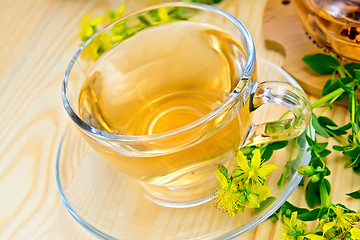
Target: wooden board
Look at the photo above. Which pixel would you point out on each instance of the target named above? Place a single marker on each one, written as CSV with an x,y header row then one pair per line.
x,y
283,32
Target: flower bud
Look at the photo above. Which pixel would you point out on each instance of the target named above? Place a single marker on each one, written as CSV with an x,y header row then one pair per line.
x,y
306,170
288,212
242,199
315,178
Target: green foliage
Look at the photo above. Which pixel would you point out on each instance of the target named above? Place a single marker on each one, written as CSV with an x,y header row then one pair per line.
x,y
321,64
355,194
335,221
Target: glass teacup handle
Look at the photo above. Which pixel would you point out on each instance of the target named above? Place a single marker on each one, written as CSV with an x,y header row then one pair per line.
x,y
287,95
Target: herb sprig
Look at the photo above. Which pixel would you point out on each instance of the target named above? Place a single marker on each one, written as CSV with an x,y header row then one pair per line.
x,y
334,221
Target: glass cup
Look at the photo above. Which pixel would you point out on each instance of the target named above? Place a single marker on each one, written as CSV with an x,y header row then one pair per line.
x,y
167,93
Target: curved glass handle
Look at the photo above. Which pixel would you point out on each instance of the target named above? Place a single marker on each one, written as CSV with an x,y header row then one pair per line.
x,y
287,95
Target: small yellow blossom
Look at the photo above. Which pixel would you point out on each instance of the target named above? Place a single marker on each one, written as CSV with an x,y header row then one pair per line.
x,y
105,40
345,221
291,229
116,15
255,174
342,224
98,46
89,27
228,197
163,14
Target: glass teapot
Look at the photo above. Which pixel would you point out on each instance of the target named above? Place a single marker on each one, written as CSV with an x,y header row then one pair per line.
x,y
333,25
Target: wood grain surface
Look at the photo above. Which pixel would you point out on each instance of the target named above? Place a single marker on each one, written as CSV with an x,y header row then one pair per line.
x,y
283,32
38,39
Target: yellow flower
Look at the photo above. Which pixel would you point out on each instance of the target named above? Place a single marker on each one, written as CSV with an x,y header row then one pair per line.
x,y
116,15
341,225
292,230
254,175
355,233
228,197
98,46
345,221
259,194
163,14
89,27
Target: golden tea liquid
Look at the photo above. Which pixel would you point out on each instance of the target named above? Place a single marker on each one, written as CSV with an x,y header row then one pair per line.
x,y
161,79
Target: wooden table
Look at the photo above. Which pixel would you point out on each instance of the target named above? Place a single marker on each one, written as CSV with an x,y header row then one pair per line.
x,y
38,39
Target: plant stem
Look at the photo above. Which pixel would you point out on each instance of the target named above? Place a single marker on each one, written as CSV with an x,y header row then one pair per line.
x,y
341,71
339,139
324,195
328,97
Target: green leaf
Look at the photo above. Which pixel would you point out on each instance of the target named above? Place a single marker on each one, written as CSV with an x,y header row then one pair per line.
x,y
340,128
354,162
223,170
329,87
345,209
282,179
309,216
351,67
247,150
345,87
323,211
332,127
312,194
332,85
318,128
327,185
355,194
271,147
321,63
353,153
339,148
357,73
264,204
266,154
319,147
144,21
288,205
301,140
278,145
324,153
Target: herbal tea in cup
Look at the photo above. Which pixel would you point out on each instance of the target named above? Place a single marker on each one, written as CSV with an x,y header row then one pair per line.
x,y
172,98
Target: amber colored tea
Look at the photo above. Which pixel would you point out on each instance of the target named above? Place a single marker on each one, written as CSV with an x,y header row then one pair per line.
x,y
162,79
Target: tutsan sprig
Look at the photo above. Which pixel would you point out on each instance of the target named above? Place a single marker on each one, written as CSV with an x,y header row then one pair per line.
x,y
334,221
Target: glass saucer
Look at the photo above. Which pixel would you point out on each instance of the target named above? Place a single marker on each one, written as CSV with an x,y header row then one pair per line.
x,y
111,205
